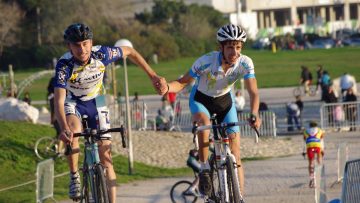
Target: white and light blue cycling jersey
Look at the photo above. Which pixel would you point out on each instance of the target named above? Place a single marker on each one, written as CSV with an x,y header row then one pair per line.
x,y
211,93
211,78
85,82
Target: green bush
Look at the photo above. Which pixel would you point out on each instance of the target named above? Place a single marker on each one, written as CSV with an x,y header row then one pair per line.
x,y
24,57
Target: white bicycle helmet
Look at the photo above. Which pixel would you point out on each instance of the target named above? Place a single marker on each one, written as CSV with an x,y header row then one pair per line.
x,y
231,33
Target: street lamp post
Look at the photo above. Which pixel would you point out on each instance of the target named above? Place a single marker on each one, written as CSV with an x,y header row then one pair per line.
x,y
125,42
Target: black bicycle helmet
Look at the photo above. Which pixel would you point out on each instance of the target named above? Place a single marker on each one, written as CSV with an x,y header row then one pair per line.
x,y
231,32
77,32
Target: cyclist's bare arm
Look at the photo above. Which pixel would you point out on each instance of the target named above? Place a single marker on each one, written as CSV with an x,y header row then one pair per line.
x,y
181,83
251,86
59,101
158,82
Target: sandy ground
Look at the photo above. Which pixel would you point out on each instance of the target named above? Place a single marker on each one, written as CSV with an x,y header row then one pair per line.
x,y
274,180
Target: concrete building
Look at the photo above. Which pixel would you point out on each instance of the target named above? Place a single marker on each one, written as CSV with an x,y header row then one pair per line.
x,y
275,13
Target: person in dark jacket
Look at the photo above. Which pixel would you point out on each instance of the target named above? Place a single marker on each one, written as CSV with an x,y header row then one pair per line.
x,y
351,108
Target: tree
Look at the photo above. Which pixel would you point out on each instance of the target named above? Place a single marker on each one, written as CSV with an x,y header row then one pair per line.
x,y
10,15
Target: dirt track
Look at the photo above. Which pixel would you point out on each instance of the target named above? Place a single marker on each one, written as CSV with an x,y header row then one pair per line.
x,y
275,180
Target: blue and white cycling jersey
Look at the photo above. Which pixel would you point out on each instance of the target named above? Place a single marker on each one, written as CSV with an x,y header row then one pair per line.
x,y
85,82
211,79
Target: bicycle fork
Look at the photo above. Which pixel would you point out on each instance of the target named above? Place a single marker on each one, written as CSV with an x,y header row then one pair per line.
x,y
221,156
221,166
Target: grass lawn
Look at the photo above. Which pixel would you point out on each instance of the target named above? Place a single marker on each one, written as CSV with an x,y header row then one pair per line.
x,y
18,164
279,69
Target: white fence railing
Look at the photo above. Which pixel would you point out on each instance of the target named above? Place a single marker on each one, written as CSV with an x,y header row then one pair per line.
x,y
340,116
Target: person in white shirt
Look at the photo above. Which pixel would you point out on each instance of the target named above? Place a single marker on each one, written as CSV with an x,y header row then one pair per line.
x,y
239,101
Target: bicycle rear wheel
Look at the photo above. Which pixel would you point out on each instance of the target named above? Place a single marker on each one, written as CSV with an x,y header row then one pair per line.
x,y
297,91
177,192
101,190
46,147
233,182
312,90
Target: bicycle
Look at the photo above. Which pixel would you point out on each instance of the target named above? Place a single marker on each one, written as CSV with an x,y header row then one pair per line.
x,y
182,191
94,188
225,182
47,147
300,91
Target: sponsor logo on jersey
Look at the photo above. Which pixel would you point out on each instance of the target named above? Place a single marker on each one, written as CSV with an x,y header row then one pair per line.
x,y
62,76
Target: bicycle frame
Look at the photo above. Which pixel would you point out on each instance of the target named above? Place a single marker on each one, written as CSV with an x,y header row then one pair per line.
x,y
91,159
92,167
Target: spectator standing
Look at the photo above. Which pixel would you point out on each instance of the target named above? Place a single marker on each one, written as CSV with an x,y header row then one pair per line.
x,y
346,82
300,104
319,74
305,78
330,97
293,113
263,106
50,100
239,102
172,99
325,84
351,109
137,110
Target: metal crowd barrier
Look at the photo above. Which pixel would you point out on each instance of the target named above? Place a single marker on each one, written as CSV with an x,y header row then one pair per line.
x,y
340,116
139,119
342,159
320,184
351,183
183,119
45,180
268,127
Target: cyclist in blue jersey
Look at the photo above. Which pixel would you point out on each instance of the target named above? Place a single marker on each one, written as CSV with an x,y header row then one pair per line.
x,y
79,90
215,74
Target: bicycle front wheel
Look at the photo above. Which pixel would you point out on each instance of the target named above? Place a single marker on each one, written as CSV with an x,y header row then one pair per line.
x,y
101,190
297,91
46,147
233,181
178,195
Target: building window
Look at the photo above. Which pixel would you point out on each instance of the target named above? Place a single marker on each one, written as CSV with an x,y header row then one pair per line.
x,y
354,11
339,12
282,16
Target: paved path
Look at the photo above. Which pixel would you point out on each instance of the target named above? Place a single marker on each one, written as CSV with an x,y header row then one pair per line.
x,y
274,180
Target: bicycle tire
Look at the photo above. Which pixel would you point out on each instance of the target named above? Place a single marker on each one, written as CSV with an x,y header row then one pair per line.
x,y
312,91
177,192
46,147
215,193
233,181
101,194
86,195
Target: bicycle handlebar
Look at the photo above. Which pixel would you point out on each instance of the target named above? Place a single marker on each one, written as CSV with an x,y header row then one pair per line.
x,y
224,125
93,133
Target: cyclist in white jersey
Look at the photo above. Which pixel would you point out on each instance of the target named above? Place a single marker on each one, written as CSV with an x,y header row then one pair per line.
x,y
79,90
215,74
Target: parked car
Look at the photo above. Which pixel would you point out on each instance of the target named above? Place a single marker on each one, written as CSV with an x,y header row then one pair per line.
x,y
323,43
353,40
